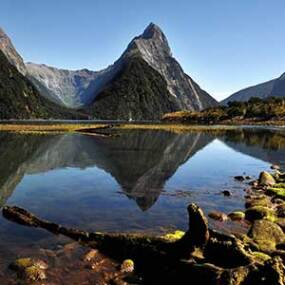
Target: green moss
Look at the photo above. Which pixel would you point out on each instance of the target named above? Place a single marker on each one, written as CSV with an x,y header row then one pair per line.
x,y
260,212
173,236
237,215
277,190
260,256
23,263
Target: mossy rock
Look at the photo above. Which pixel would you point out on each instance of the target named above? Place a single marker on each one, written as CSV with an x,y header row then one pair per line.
x,y
266,179
260,212
277,190
260,257
266,234
236,216
22,263
261,200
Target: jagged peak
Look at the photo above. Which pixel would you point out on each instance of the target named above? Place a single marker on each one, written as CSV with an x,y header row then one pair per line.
x,y
151,31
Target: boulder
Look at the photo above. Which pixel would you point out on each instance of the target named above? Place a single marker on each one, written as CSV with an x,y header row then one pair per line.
x,y
218,216
266,234
258,213
266,179
236,216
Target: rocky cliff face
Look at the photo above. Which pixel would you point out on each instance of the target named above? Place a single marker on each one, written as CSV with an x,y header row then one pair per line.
x,y
87,89
275,87
19,99
10,52
153,47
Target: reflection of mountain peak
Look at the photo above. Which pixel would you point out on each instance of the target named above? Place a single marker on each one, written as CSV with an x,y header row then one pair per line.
x,y
140,161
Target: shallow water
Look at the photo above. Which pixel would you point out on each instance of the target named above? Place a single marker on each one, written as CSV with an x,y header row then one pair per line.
x,y
136,181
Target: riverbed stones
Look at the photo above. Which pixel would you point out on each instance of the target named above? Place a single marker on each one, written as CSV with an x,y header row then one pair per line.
x,y
266,179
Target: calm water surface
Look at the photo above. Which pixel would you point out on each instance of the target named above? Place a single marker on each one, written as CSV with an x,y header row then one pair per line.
x,y
136,181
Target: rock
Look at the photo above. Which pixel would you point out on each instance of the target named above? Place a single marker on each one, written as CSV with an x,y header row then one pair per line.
x,y
277,190
30,269
260,257
226,193
274,271
218,216
90,255
34,273
236,216
266,234
266,179
258,213
239,178
257,200
127,266
275,167
281,223
280,210
198,226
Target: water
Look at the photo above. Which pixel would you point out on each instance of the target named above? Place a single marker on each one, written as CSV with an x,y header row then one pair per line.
x,y
136,181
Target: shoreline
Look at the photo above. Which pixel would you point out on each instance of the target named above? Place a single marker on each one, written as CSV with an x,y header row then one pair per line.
x,y
89,128
200,253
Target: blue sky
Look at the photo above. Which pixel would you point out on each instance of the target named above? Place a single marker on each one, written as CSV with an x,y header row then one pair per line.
x,y
225,45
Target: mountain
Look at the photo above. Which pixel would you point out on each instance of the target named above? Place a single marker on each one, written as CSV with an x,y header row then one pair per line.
x,y
19,99
10,52
145,82
275,87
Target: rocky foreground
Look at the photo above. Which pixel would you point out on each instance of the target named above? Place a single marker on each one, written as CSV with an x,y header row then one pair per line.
x,y
198,255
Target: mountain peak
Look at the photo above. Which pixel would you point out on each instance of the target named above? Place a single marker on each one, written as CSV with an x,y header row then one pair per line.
x,y
151,31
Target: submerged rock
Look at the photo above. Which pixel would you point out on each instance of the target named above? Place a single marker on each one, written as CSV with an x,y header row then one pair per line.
x,y
30,269
218,216
266,179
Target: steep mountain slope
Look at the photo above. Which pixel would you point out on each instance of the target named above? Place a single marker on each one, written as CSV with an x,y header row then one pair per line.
x,y
279,87
150,83
275,87
150,53
137,92
72,89
10,52
19,99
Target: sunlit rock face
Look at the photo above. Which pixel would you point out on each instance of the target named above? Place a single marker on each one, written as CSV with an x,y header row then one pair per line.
x,y
79,89
153,47
10,52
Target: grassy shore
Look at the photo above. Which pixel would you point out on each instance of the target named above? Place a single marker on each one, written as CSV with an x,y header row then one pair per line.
x,y
92,127
58,128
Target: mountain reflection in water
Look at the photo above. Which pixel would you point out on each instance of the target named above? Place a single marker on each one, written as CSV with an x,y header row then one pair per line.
x,y
140,161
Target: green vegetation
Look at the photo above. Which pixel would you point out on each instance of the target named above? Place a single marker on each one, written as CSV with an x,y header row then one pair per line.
x,y
138,92
255,109
19,99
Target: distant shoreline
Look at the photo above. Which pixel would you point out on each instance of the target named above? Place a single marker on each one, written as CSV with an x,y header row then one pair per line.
x,y
92,127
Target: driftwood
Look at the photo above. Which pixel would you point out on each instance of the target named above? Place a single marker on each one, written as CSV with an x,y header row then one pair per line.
x,y
202,254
